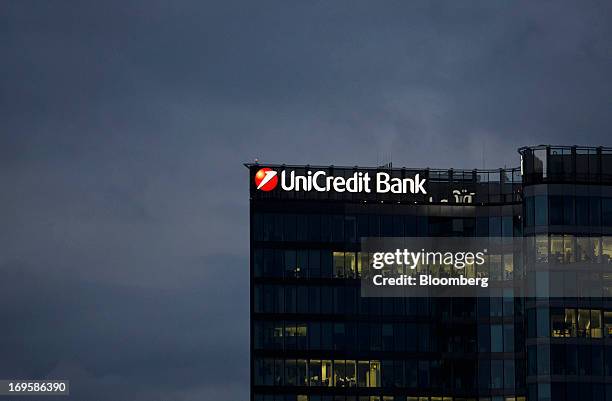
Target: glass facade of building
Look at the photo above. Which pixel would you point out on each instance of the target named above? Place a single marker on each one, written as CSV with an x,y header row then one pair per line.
x,y
313,337
568,216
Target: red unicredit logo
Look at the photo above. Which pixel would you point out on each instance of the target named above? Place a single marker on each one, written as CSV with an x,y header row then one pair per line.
x,y
266,179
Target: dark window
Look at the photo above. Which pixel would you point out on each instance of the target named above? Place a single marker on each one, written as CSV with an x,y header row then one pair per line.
x,y
594,211
597,360
484,373
532,366
507,226
606,212
568,210
337,228
314,227
497,374
541,211
350,228
571,360
509,374
484,342
529,212
582,210
555,210
557,354
543,359
289,227
495,226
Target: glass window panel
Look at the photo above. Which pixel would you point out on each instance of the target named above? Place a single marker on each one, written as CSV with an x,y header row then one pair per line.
x,y
582,210
314,263
543,324
509,374
555,210
338,263
497,374
326,373
349,264
543,359
540,210
542,248
584,323
608,324
363,371
606,250
290,263
302,377
594,211
339,373
606,212
290,372
374,375
596,325
508,337
568,210
556,248
497,344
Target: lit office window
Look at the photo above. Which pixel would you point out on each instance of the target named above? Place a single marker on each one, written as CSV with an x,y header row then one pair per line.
x,y
349,264
338,263
374,374
569,255
556,248
584,250
326,373
608,324
563,322
541,248
362,264
508,266
584,323
345,373
596,325
606,249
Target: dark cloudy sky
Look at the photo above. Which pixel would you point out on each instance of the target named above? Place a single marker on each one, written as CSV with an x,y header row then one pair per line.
x,y
124,126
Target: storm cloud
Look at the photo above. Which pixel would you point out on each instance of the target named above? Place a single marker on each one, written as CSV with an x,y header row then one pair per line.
x,y
124,126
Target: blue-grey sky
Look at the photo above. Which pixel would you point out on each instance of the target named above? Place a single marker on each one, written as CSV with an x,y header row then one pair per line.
x,y
124,126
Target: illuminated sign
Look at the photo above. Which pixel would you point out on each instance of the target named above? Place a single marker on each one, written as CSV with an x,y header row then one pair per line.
x,y
267,179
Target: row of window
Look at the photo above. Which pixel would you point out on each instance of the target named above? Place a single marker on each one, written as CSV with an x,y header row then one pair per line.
x,y
571,322
316,263
570,391
568,323
399,337
571,249
351,228
410,373
314,299
545,210
569,359
303,397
